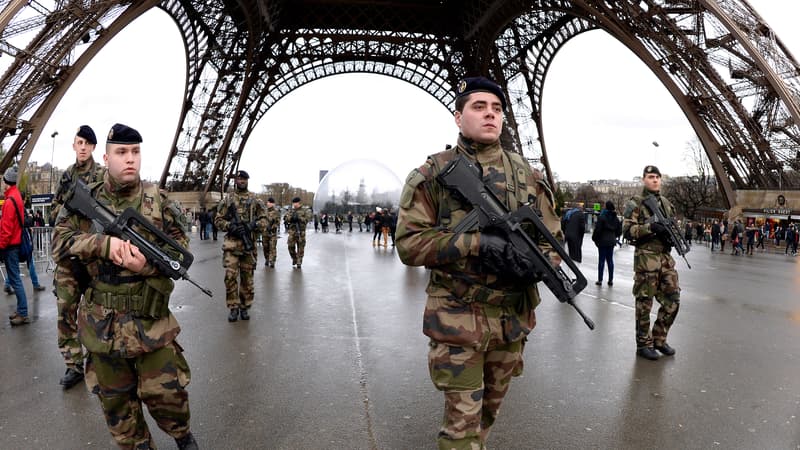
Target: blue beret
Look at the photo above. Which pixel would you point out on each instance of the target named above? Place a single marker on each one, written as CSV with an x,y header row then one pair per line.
x,y
480,84
123,134
86,132
243,174
651,169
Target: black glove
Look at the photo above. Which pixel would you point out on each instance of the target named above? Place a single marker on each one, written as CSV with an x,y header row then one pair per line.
x,y
499,257
658,228
236,229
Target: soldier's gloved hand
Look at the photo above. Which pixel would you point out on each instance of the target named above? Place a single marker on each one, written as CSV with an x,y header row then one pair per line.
x,y
236,229
499,257
658,228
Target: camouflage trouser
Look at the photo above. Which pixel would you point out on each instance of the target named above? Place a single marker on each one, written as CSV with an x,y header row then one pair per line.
x,y
67,300
474,382
270,244
297,246
655,276
158,379
239,268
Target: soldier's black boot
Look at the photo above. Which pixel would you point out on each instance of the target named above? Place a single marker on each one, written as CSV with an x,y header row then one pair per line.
x,y
71,378
187,443
665,349
647,353
233,316
243,314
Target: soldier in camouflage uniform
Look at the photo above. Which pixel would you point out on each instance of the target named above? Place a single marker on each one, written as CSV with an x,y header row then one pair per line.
x,y
70,277
124,319
654,269
239,262
482,292
269,239
296,221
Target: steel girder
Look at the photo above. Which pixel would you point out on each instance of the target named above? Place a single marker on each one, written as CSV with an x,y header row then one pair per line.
x,y
733,78
736,82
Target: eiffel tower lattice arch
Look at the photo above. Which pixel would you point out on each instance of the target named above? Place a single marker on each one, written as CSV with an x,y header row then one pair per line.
x,y
736,82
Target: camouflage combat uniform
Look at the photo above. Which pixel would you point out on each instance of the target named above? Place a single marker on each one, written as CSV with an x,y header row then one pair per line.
x,y
476,322
67,272
654,272
240,264
269,239
295,222
125,323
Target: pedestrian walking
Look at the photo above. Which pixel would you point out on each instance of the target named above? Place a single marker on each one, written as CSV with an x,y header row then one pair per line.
x,y
605,234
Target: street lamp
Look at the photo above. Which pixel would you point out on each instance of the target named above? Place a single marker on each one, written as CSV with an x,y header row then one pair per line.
x,y
52,153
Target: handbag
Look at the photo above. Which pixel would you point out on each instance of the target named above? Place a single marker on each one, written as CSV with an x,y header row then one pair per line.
x,y
26,243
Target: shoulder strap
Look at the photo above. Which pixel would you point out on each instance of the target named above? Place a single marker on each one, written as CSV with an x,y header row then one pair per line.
x,y
16,207
518,169
440,160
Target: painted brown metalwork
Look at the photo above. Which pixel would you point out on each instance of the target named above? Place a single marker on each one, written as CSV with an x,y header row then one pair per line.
x,y
734,79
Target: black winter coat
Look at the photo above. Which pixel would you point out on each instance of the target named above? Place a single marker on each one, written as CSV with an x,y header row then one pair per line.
x,y
607,229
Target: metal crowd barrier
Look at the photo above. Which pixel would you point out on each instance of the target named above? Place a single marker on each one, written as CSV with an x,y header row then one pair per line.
x,y
42,257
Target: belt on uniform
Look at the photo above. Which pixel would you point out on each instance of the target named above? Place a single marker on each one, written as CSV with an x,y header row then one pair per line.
x,y
123,303
468,291
116,279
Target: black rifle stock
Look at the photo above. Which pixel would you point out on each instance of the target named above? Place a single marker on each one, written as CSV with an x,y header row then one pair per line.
x,y
462,177
80,201
246,235
673,233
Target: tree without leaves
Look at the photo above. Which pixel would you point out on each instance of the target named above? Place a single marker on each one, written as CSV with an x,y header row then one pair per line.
x,y
690,193
587,194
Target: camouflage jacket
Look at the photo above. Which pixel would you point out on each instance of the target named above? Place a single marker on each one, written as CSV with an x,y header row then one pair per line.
x,y
90,172
428,212
251,210
635,225
116,331
296,220
273,221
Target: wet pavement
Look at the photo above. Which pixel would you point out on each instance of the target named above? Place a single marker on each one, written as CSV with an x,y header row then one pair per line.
x,y
334,357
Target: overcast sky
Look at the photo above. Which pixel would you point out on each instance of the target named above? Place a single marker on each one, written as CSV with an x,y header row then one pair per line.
x,y
602,111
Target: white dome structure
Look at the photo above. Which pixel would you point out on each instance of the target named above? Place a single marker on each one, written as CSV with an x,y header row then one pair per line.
x,y
358,185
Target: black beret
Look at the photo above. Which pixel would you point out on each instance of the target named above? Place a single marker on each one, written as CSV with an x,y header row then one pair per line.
x,y
651,169
271,200
296,200
86,132
243,174
480,84
123,134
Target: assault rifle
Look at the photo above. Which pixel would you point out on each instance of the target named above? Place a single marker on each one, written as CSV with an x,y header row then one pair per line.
x,y
673,235
462,177
294,219
246,234
80,201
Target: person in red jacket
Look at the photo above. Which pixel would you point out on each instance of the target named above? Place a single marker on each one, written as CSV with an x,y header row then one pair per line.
x,y
10,239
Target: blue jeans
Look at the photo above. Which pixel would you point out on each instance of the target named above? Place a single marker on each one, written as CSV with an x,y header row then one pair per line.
x,y
207,230
11,260
606,256
31,272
